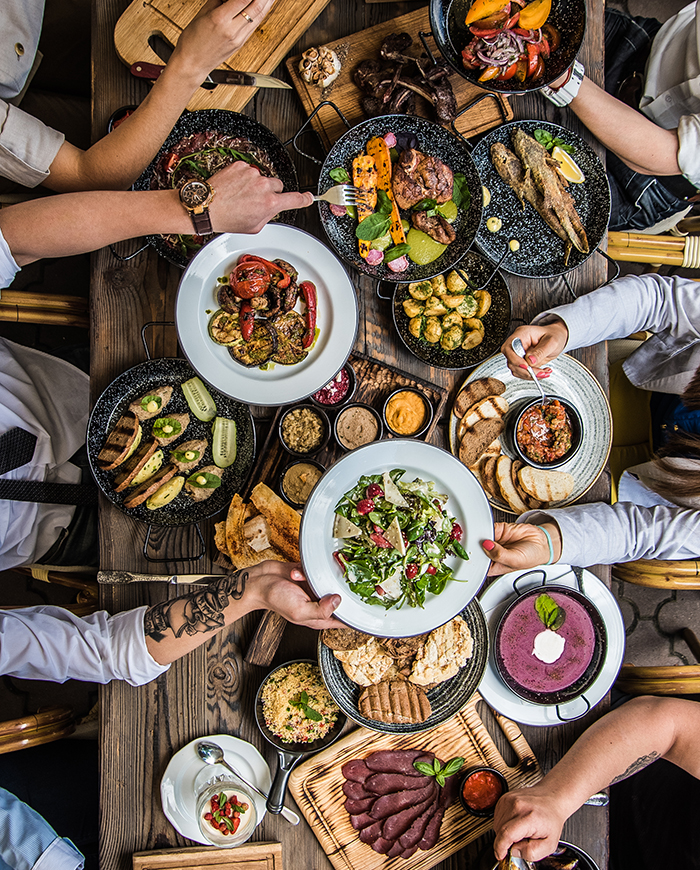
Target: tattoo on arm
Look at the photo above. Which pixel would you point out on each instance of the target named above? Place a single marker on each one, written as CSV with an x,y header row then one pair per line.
x,y
200,611
636,766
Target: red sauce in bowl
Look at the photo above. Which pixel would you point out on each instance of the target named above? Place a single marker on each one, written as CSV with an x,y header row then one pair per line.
x,y
544,432
482,790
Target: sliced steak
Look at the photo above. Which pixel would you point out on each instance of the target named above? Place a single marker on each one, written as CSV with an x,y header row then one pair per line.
x,y
355,806
371,833
395,761
396,826
356,790
363,820
414,834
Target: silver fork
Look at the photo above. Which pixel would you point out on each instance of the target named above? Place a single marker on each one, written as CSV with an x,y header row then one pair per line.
x,y
342,194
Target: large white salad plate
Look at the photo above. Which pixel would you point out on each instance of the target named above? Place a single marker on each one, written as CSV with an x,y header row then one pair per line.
x,y
494,600
466,502
336,322
186,772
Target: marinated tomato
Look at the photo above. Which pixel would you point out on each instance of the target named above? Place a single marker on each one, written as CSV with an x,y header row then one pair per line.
x,y
544,432
482,790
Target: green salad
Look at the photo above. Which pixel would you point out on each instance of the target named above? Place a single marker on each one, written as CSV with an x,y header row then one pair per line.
x,y
396,537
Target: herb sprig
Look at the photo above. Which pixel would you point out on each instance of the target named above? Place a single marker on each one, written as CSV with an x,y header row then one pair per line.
x,y
439,771
546,140
549,612
301,702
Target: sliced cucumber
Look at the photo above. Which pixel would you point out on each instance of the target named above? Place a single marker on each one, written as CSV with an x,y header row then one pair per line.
x,y
224,446
199,399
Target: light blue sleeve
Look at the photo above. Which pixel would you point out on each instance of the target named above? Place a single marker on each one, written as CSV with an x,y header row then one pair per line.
x,y
28,842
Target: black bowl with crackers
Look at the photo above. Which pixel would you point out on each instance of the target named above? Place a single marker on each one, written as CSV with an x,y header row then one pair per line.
x,y
545,435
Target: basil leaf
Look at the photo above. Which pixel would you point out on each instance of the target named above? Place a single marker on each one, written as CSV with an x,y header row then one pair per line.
x,y
373,227
146,401
384,204
453,766
437,767
424,205
222,799
312,714
217,817
460,191
440,779
304,698
560,143
229,823
179,455
544,137
424,768
549,612
211,481
339,175
396,252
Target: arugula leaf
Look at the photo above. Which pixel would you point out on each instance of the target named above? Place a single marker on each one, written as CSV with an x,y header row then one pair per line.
x,y
460,551
460,191
373,227
424,205
396,252
339,175
549,612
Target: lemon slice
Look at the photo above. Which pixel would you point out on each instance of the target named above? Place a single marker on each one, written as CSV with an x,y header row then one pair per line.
x,y
568,166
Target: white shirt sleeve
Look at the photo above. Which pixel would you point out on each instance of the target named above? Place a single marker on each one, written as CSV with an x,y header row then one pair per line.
x,y
50,643
8,266
689,148
27,146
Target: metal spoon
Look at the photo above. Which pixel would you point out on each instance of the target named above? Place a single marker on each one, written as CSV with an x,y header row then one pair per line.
x,y
212,753
517,346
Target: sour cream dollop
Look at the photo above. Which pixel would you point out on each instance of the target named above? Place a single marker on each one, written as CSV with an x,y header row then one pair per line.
x,y
548,646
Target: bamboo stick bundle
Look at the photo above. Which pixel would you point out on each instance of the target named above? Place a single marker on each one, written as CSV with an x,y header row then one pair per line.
x,y
640,240
677,686
665,672
664,575
646,255
47,302
18,314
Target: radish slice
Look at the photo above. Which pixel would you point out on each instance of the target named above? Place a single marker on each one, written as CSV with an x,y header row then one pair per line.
x,y
339,210
390,140
375,257
398,265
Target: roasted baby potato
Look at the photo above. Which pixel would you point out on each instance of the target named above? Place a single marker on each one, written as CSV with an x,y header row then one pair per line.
x,y
452,300
474,333
456,284
412,307
433,329
435,307
468,306
451,338
415,325
438,285
454,318
420,290
483,299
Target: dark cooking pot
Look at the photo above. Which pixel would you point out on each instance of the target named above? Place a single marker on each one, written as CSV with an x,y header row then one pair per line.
x,y
578,687
452,34
433,140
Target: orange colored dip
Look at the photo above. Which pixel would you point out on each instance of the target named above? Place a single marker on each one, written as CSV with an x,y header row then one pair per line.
x,y
405,412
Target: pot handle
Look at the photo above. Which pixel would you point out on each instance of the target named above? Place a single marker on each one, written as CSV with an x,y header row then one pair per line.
x,y
578,715
463,275
610,260
128,256
377,286
529,574
286,762
143,333
195,558
307,122
471,105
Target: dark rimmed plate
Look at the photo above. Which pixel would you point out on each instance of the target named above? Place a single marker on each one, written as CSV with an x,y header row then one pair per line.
x,y
496,320
541,253
452,35
432,140
232,124
445,699
137,381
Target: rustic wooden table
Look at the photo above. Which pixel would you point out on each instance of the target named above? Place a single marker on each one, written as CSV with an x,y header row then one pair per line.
x,y
212,689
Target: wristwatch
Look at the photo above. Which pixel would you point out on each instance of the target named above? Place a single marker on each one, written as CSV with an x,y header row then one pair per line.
x,y
196,195
565,93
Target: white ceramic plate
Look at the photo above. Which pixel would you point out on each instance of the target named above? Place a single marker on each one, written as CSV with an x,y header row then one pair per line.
x,y
186,771
571,380
466,502
494,601
337,316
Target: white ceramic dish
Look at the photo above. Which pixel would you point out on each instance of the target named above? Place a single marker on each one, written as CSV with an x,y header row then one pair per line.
x,y
186,772
494,600
337,316
571,380
466,502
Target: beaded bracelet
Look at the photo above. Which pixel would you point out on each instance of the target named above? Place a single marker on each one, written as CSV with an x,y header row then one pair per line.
x,y
550,544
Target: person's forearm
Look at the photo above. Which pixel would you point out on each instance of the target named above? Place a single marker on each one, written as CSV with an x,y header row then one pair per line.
x,y
637,141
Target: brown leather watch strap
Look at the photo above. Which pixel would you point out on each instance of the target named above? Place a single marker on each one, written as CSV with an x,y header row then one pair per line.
x,y
202,223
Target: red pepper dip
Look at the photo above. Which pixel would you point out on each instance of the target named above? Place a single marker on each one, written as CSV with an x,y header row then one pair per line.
x,y
481,790
334,391
544,432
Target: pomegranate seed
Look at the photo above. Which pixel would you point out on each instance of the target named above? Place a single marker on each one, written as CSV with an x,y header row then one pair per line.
x,y
336,556
208,816
456,533
374,490
431,569
365,505
379,590
411,570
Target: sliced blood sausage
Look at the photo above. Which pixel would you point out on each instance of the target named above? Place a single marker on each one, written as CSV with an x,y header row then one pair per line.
x,y
356,770
361,821
425,758
382,846
355,806
386,783
394,761
356,790
371,833
414,834
395,826
391,804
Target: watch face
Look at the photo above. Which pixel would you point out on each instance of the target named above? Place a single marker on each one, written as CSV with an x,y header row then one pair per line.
x,y
194,193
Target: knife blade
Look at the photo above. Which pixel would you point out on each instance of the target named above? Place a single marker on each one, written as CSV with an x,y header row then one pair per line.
x,y
106,577
143,70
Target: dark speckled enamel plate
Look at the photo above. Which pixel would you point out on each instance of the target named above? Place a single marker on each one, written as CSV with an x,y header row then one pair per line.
x,y
451,35
432,139
541,253
233,124
137,382
496,320
446,699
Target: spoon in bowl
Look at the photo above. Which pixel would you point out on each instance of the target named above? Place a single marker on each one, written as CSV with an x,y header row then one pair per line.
x,y
212,753
517,346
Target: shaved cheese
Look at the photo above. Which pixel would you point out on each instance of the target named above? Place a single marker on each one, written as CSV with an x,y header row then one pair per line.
x,y
345,528
394,536
392,585
392,493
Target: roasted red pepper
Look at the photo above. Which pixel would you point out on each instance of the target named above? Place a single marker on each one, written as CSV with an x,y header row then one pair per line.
x,y
246,320
309,291
509,72
283,280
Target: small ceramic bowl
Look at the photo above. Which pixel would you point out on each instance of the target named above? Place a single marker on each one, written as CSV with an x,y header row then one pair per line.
x,y
493,777
576,432
306,410
343,433
281,480
248,819
121,114
347,397
427,415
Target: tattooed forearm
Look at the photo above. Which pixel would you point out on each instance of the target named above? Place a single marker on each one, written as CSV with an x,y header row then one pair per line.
x,y
636,766
200,611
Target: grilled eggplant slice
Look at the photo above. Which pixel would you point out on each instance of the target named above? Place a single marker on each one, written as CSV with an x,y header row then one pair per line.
x,y
290,328
258,349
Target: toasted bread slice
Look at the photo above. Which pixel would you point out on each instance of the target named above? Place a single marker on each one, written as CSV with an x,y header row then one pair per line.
x,y
488,476
546,485
530,501
283,520
475,391
494,448
202,493
120,442
153,484
505,484
142,412
134,465
491,407
478,438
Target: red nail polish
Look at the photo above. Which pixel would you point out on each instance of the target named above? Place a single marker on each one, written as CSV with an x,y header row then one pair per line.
x,y
523,366
541,375
532,359
489,545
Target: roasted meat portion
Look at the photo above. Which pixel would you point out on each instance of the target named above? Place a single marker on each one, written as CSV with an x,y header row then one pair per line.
x,y
436,227
417,176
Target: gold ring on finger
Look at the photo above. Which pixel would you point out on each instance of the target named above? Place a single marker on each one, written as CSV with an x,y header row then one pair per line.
x,y
247,17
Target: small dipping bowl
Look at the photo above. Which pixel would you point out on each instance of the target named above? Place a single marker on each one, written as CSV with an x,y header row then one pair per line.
x,y
402,413
121,114
338,391
480,791
248,819
355,426
293,485
297,420
576,432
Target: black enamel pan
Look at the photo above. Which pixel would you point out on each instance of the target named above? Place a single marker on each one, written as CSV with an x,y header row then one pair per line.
x,y
432,139
451,34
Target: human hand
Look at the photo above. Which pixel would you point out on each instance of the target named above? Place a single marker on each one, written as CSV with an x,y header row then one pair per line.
x,y
519,546
529,822
280,586
214,34
542,344
245,200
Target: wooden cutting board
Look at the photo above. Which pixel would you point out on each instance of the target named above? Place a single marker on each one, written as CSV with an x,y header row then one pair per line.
x,y
317,787
364,45
260,856
287,21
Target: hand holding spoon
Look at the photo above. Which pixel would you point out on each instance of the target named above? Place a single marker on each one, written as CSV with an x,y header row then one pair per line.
x,y
517,346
